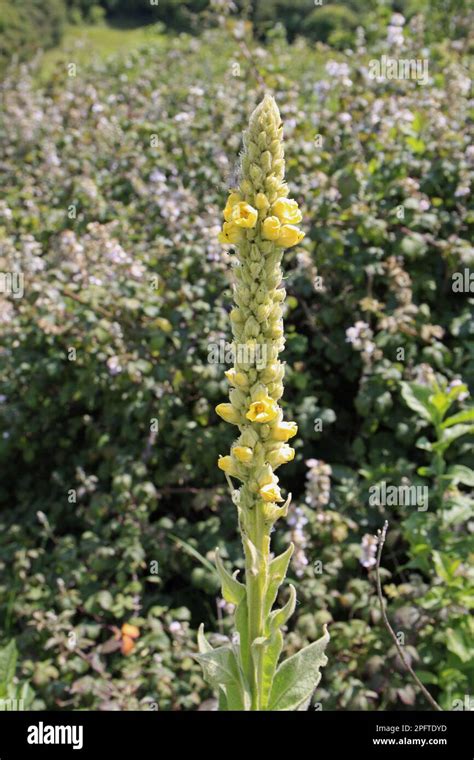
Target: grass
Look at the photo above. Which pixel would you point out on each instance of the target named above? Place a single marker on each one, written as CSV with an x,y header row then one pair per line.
x,y
81,44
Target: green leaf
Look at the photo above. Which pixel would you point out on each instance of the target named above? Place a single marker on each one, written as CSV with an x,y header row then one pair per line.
x,y
26,694
465,416
456,391
297,677
277,570
441,402
221,670
458,642
252,554
423,443
193,552
459,473
105,599
222,704
451,434
241,624
203,644
417,145
8,658
279,617
445,566
426,676
417,397
425,472
271,656
232,590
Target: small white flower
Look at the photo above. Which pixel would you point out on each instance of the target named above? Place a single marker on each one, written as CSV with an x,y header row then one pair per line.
x,y
182,117
369,551
353,334
114,366
157,176
397,19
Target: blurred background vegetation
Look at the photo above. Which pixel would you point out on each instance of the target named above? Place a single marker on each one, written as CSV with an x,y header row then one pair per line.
x,y
41,24
115,175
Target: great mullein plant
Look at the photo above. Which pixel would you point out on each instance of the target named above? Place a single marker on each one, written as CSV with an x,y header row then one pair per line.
x,y
260,222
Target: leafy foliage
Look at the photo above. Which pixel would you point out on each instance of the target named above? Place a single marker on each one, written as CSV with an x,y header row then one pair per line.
x,y
27,26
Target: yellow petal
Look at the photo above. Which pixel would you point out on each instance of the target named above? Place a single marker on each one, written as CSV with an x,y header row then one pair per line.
x,y
228,413
244,215
284,430
243,453
265,410
271,228
289,236
287,211
271,492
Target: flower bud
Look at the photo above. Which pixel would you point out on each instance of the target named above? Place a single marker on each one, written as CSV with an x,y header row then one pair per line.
x,y
261,202
256,174
271,228
280,456
228,465
238,379
243,454
229,413
264,476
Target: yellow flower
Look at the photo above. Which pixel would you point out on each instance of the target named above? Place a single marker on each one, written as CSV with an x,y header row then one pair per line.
x,y
264,410
261,202
231,201
284,430
281,456
287,211
270,492
230,234
271,228
228,413
238,379
244,215
243,453
289,236
227,465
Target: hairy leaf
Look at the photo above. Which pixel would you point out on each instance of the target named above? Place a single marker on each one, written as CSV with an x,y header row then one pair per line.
x,y
232,590
277,570
279,617
297,677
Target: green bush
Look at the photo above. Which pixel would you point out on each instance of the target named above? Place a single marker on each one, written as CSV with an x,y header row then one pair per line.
x,y
334,24
28,26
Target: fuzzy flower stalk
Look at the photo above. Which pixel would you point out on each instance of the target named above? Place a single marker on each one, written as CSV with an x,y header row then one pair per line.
x,y
260,222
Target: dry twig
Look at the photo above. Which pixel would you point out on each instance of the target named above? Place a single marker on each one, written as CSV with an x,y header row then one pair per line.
x,y
382,534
